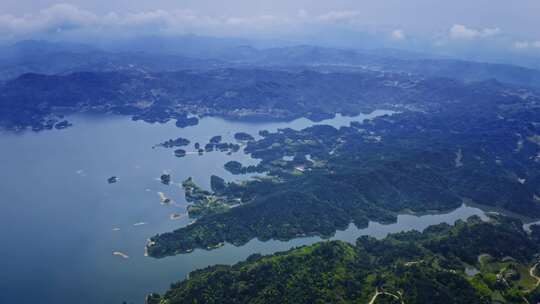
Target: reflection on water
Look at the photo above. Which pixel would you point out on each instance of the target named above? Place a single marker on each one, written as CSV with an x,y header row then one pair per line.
x,y
405,222
62,221
408,222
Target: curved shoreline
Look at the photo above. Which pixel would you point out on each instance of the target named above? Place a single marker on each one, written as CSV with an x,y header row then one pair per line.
x,y
351,232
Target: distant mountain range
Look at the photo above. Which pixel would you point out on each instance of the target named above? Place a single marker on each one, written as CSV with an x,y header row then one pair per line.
x,y
192,52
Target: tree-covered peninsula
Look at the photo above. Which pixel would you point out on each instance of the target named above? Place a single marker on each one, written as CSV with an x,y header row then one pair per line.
x,y
322,178
471,262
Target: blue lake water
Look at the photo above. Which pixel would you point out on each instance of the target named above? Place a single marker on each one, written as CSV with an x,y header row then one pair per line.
x,y
61,220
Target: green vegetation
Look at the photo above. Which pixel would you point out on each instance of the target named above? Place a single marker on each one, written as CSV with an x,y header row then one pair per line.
x,y
183,121
215,139
474,141
373,171
171,143
221,146
179,153
242,136
204,202
235,167
410,267
165,178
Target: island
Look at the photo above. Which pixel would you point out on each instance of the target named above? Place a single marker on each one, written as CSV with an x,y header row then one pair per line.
x,y
171,143
215,139
165,178
163,198
175,216
120,254
242,136
179,153
236,168
62,125
216,144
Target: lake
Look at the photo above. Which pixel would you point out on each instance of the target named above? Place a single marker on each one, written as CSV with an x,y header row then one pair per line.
x,y
62,221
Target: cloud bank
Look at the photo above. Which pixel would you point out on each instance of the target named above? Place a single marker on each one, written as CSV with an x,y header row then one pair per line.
x,y
524,45
398,35
341,27
460,31
65,17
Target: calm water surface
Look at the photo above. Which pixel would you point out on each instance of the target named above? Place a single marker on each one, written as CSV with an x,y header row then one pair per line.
x,y
61,220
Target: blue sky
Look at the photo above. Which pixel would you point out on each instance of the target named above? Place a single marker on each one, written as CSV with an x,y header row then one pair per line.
x,y
512,26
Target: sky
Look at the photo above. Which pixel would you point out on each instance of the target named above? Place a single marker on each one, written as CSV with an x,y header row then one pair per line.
x,y
463,25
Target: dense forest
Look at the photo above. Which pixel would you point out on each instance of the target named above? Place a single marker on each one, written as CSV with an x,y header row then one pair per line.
x,y
39,101
471,262
322,178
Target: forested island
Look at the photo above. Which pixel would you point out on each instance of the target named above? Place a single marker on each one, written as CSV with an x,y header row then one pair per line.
x,y
243,136
171,143
471,262
235,167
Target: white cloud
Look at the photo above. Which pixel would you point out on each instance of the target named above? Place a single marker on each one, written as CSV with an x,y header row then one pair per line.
x,y
339,16
398,35
522,45
68,17
302,13
56,17
460,31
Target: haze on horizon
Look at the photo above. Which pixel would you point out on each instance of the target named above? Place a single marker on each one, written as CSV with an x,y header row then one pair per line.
x,y
464,28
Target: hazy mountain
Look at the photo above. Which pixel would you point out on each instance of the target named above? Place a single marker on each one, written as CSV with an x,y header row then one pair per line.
x,y
193,52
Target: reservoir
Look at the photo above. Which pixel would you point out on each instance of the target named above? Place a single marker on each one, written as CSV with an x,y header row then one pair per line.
x,y
62,221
